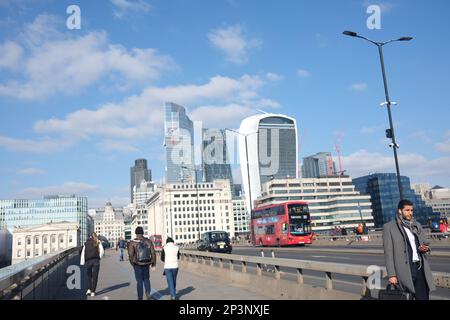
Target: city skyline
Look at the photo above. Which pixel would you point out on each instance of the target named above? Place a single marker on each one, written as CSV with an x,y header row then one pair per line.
x,y
77,107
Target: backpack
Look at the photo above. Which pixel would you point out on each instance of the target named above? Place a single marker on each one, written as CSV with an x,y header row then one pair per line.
x,y
143,252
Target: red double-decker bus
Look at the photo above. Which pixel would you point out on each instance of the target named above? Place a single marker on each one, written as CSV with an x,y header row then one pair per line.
x,y
283,224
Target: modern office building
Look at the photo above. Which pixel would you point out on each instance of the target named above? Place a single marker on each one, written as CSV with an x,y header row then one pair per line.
x,y
142,192
174,210
40,240
139,173
385,196
109,223
215,159
332,201
318,165
28,213
268,146
437,197
241,217
179,144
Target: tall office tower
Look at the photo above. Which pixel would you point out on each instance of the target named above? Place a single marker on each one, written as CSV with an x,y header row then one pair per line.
x,y
383,190
318,166
215,160
139,173
269,143
179,144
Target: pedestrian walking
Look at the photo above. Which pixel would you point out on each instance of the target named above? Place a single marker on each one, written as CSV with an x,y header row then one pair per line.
x,y
406,253
170,255
121,245
141,253
90,256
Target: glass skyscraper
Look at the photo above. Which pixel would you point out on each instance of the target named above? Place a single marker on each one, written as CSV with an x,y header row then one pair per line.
x,y
215,160
385,196
318,166
179,144
270,141
139,173
27,213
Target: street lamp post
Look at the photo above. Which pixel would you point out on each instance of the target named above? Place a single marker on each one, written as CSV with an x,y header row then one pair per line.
x,y
390,132
248,173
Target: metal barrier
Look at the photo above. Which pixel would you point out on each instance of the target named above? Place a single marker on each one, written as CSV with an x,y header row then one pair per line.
x,y
329,269
370,237
35,279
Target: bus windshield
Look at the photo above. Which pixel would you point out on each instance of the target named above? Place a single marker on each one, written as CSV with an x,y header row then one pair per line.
x,y
299,219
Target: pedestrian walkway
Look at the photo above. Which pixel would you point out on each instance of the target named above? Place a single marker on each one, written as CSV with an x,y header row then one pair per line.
x,y
117,282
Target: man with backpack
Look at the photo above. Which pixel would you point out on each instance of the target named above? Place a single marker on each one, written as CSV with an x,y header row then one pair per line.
x,y
142,256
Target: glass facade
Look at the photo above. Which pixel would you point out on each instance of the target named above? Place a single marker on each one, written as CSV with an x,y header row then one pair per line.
x,y
139,173
277,148
383,189
27,213
318,165
179,144
215,161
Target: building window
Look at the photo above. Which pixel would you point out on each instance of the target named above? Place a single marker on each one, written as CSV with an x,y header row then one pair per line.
x,y
19,253
28,253
36,240
29,241
19,242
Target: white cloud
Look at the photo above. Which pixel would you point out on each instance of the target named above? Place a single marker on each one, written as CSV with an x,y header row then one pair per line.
x,y
77,188
273,77
32,171
444,146
43,145
10,55
142,116
302,73
385,7
60,63
416,166
221,117
233,43
367,130
359,87
119,146
122,7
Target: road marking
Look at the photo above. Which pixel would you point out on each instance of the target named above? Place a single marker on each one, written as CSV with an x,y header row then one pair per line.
x,y
344,258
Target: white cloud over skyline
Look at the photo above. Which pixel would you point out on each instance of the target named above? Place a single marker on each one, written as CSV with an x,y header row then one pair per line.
x,y
233,43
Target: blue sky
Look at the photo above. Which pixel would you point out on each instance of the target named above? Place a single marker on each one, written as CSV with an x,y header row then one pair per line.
x,y
78,106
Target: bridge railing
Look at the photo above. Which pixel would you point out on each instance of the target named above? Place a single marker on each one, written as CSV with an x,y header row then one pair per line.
x,y
37,278
376,236
329,269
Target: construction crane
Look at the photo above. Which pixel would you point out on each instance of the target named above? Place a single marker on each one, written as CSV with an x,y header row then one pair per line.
x,y
338,151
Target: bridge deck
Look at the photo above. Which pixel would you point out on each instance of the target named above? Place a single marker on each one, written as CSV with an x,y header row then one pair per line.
x,y
116,282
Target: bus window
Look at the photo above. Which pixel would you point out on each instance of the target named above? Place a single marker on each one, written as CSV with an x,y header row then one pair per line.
x,y
270,229
299,219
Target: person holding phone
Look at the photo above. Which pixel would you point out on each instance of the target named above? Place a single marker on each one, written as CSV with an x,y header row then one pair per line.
x,y
406,253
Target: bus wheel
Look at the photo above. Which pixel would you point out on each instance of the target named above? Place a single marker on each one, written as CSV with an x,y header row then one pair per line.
x,y
261,243
278,243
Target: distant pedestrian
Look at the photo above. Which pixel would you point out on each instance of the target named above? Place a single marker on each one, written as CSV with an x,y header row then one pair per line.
x,y
142,256
121,245
90,256
406,253
170,255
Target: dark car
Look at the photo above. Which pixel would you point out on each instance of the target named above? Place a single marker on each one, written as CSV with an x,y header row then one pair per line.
x,y
215,241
